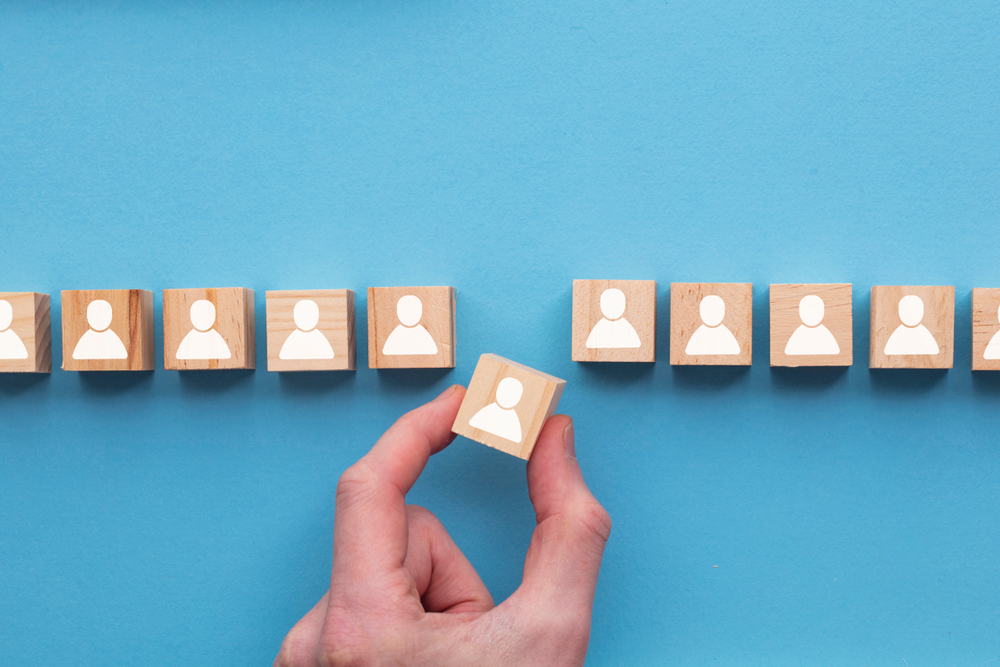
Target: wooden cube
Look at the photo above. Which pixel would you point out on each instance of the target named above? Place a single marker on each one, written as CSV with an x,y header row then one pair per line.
x,y
208,329
507,405
811,325
310,330
614,320
108,330
411,327
711,324
985,329
25,333
912,327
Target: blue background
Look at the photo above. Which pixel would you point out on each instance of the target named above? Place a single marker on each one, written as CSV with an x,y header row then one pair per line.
x,y
505,148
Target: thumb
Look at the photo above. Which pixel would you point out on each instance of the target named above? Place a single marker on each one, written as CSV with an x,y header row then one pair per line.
x,y
564,558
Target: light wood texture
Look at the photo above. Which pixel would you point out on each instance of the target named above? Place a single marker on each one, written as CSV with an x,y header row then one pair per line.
x,y
131,322
336,324
685,321
437,317
985,327
234,321
540,397
786,320
938,319
640,313
32,324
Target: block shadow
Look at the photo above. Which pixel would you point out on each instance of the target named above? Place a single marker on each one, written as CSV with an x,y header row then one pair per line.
x,y
807,378
619,373
308,383
210,382
905,381
15,384
986,383
113,383
708,378
405,380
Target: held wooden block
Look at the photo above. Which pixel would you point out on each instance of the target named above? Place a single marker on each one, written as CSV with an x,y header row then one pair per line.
x,y
25,333
411,327
310,330
208,329
711,324
507,405
985,329
107,330
614,320
811,325
912,327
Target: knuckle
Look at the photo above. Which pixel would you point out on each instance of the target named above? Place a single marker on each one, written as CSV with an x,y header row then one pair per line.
x,y
354,482
594,520
294,649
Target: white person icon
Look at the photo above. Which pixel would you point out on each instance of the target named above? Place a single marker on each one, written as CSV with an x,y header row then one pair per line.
x,y
911,337
100,342
11,345
812,336
499,417
613,330
712,337
306,342
409,337
203,342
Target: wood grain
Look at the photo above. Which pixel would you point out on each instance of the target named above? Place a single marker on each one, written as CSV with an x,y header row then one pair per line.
x,y
32,323
132,322
234,320
685,320
939,319
837,318
985,325
640,312
336,323
538,402
438,319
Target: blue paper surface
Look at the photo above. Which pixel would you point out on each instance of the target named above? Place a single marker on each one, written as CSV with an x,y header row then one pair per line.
x,y
505,149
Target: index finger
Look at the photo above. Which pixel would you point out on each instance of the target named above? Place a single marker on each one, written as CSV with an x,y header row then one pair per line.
x,y
369,531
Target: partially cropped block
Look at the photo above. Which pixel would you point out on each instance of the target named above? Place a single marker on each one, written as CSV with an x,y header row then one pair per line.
x,y
614,320
25,333
811,325
507,404
711,324
912,327
107,330
411,327
985,329
208,329
310,330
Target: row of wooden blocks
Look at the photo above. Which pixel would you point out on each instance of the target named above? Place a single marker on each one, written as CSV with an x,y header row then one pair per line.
x,y
414,327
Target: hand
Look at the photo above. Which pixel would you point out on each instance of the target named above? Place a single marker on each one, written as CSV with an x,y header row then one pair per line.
x,y
402,593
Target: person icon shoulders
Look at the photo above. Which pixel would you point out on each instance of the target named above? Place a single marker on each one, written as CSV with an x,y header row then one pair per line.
x,y
812,336
203,341
499,417
11,345
613,331
409,336
712,337
911,337
306,342
100,342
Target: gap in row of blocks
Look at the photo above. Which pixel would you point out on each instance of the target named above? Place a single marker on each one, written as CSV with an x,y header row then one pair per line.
x,y
414,327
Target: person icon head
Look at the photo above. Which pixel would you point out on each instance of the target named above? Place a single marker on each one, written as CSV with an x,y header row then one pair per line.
x,y
509,393
306,315
202,315
6,315
811,310
409,310
911,310
712,310
613,303
99,315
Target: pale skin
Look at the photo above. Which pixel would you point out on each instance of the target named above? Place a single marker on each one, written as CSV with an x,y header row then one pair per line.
x,y
402,593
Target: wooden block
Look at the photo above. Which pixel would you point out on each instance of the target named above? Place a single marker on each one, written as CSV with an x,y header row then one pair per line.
x,y
208,329
912,327
25,333
985,329
411,327
507,405
614,320
711,324
310,330
107,330
811,325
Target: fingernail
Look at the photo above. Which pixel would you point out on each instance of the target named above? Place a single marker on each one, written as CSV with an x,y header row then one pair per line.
x,y
569,442
446,393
